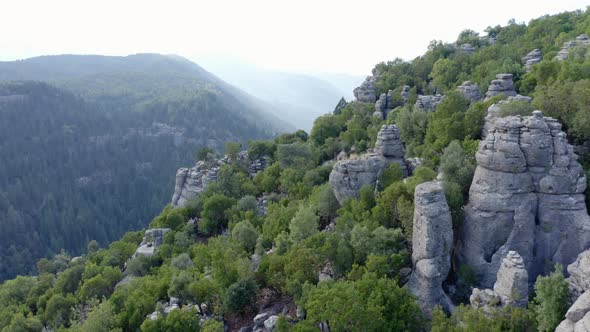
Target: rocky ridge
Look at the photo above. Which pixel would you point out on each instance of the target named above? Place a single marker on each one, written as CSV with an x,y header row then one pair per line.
x,y
580,41
532,59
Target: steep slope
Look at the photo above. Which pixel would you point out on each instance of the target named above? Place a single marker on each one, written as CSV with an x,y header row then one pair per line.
x,y
91,159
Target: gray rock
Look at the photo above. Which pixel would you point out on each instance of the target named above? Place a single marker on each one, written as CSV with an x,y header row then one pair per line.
x,y
532,59
583,325
348,176
467,48
271,322
512,281
405,94
428,102
579,272
260,319
432,243
503,84
366,93
565,326
153,238
381,103
526,196
579,309
486,299
340,106
469,91
191,182
495,111
580,41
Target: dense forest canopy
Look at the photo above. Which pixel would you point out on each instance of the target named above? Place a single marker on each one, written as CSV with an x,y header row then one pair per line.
x,y
340,266
92,154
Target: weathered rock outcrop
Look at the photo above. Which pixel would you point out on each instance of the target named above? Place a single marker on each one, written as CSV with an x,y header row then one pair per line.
x,y
469,91
190,182
503,84
526,196
428,102
405,94
579,272
348,176
152,239
340,106
495,111
511,287
580,41
577,317
384,104
532,59
366,93
432,243
467,48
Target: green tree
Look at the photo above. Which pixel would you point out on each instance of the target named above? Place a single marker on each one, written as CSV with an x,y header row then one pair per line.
x,y
232,149
246,235
304,224
551,300
240,296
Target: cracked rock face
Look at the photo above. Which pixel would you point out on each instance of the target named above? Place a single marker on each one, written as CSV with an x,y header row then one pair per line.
x,y
432,243
469,91
428,102
405,94
532,59
577,317
526,196
579,272
366,93
495,111
190,182
349,175
503,84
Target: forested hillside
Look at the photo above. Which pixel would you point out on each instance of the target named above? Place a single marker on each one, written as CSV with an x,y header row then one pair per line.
x,y
93,157
325,237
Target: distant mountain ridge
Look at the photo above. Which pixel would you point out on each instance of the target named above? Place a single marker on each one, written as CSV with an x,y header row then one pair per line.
x,y
88,145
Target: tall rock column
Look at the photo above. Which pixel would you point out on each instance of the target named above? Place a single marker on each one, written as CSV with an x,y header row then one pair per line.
x,y
526,196
432,244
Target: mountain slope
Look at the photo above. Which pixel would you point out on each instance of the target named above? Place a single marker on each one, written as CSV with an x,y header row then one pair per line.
x,y
92,154
299,98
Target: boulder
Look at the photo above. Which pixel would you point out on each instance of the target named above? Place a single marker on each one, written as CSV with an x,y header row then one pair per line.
x,y
432,244
271,322
152,239
503,84
526,196
428,102
579,272
340,106
512,281
532,59
580,41
469,91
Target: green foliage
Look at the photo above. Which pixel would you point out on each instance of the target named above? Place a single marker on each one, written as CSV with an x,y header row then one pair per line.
x,y
393,173
368,304
215,213
304,224
294,155
260,149
246,235
467,319
551,299
232,149
240,296
204,154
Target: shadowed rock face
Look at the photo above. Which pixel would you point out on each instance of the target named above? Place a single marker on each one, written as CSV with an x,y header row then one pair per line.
x,y
349,175
503,84
432,243
469,91
526,196
366,92
578,315
190,182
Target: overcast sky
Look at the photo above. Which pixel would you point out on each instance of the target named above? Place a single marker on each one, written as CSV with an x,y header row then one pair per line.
x,y
300,35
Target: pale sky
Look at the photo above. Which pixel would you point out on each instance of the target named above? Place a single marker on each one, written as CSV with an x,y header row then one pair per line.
x,y
300,35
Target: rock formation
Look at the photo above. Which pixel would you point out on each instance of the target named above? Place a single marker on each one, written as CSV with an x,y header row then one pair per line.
x,y
190,182
526,196
579,272
532,59
428,102
366,93
348,176
384,104
152,239
503,84
405,94
341,104
577,317
511,287
469,91
495,111
580,41
432,243
467,48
